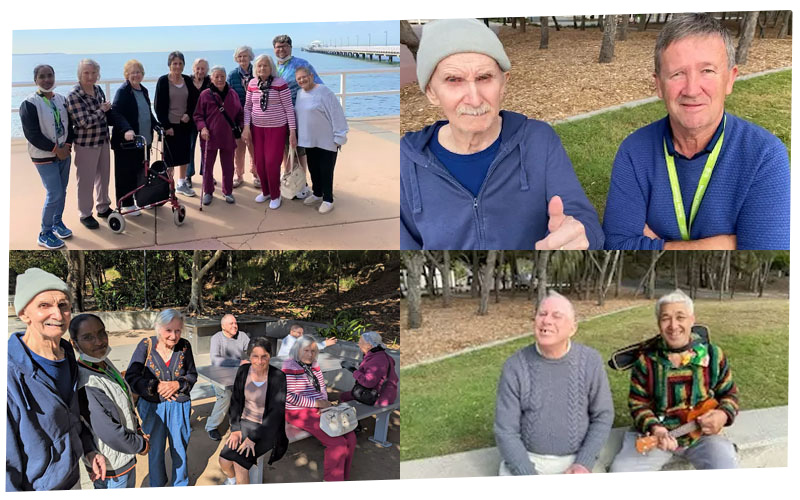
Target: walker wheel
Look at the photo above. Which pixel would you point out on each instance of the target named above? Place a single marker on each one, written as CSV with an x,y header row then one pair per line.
x,y
116,222
179,215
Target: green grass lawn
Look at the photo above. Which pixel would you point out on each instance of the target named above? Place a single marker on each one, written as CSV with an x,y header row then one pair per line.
x,y
592,143
448,406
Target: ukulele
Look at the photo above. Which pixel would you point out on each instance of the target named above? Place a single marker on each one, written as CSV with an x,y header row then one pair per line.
x,y
690,425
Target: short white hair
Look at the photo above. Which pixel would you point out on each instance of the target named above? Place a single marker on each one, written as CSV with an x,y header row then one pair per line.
x,y
552,294
674,297
217,68
90,62
243,48
166,317
303,342
198,61
272,70
373,338
225,317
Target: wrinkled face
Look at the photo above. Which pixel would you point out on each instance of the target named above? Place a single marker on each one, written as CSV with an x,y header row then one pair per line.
x,y
230,326
675,324
303,79
364,345
89,75
218,79
243,58
263,69
48,314
135,75
693,81
308,354
296,332
170,333
45,78
176,66
554,323
282,50
469,87
200,70
92,338
259,358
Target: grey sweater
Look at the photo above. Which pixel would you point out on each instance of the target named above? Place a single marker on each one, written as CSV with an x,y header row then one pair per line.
x,y
552,407
226,351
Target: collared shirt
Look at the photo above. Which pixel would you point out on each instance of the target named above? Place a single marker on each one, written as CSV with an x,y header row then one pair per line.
x,y
91,125
707,150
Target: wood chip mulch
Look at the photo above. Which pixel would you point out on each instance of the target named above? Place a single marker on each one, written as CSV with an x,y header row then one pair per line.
x,y
566,79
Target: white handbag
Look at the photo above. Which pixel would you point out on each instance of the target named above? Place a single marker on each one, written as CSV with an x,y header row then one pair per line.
x,y
338,420
294,180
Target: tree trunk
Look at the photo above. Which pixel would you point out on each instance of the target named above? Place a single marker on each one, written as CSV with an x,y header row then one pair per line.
x,y
409,38
619,275
787,21
622,32
499,276
514,274
555,23
545,39
513,23
583,23
675,270
746,40
229,268
198,272
643,24
488,278
522,23
414,261
541,276
654,256
765,267
476,269
76,277
447,296
607,47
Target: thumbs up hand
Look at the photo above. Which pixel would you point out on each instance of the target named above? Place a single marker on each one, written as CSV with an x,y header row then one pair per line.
x,y
566,232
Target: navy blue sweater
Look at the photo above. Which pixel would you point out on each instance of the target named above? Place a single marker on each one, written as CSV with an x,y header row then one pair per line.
x,y
510,210
748,194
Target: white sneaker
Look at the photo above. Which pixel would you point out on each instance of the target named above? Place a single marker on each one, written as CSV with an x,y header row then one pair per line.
x,y
261,198
311,199
229,480
136,211
273,204
326,207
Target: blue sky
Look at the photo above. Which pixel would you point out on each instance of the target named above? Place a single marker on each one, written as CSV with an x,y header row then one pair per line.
x,y
186,38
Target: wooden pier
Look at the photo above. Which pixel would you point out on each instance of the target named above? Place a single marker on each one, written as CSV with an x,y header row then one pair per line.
x,y
390,52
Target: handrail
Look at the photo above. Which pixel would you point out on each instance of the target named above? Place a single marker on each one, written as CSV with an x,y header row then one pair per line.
x,y
342,94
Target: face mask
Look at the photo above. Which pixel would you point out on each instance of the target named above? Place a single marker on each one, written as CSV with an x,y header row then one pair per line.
x,y
46,90
283,59
90,359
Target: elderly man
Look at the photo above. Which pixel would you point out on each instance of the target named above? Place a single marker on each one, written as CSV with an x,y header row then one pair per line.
x,y
554,409
295,332
700,178
228,348
679,374
484,178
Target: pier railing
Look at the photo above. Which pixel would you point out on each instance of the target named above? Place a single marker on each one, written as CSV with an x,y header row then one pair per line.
x,y
343,94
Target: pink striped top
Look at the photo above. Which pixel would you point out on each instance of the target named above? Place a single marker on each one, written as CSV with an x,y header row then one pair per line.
x,y
280,110
300,393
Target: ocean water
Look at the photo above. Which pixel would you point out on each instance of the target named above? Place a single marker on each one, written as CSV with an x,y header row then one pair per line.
x,y
155,65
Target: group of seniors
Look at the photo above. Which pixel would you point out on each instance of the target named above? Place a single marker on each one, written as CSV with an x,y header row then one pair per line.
x,y
69,406
262,106
554,408
487,178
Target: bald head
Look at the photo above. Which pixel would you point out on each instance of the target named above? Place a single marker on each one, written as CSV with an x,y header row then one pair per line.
x,y
229,325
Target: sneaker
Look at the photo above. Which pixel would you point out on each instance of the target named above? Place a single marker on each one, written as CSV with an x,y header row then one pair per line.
x,y
237,182
229,480
207,199
90,222
256,182
214,435
274,204
62,231
104,214
229,198
49,241
261,198
188,182
136,211
185,190
326,207
311,199
303,194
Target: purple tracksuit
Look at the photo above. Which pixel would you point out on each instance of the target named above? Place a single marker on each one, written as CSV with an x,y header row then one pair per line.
x,y
376,371
207,115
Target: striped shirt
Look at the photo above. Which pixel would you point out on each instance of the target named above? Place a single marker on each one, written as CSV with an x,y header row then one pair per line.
x,y
91,125
280,110
659,390
300,392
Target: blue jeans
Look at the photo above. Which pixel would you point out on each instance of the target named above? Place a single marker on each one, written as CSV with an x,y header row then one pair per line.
x,y
55,177
162,421
220,409
127,480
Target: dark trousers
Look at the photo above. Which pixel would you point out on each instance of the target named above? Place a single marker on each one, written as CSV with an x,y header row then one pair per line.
x,y
320,166
128,173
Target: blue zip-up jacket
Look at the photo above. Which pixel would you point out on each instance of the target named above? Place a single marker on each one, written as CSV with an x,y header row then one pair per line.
x,y
510,211
45,437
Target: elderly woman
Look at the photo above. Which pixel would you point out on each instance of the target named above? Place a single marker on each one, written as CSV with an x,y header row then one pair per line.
x,y
484,178
106,403
268,117
659,395
132,117
218,111
322,131
375,378
46,126
174,103
45,436
256,414
305,396
162,373
200,81
89,112
238,79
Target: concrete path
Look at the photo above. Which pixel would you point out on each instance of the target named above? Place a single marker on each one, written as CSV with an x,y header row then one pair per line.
x,y
366,214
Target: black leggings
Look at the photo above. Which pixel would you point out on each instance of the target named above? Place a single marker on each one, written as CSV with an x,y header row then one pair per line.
x,y
320,166
128,173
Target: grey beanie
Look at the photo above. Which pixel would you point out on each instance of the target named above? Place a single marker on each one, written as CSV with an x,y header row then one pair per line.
x,y
33,282
445,37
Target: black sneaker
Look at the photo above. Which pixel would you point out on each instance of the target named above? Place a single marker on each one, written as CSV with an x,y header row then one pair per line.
x,y
90,222
214,435
106,213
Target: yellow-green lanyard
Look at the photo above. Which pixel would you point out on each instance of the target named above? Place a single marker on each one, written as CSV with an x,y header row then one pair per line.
x,y
111,373
56,116
677,198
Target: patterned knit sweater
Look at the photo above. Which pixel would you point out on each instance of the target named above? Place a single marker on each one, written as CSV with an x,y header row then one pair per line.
x,y
553,407
658,389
